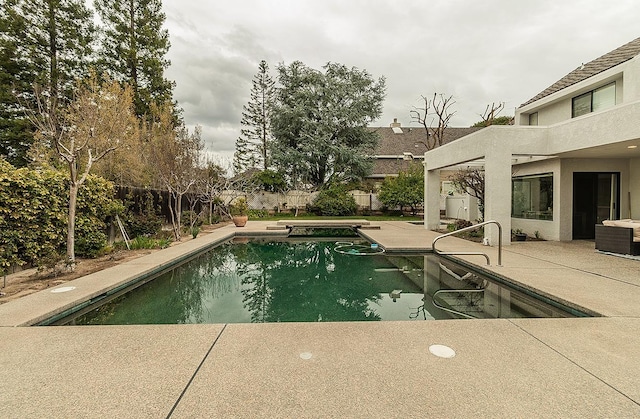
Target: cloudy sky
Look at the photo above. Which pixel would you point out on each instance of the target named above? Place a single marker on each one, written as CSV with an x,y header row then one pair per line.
x,y
478,51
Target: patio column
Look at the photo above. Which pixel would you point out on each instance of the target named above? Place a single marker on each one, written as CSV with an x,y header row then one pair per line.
x,y
497,193
431,198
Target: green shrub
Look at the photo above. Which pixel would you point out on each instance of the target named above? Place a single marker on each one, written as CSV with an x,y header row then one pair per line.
x,y
142,242
34,212
405,190
96,202
143,225
459,224
333,201
195,231
261,213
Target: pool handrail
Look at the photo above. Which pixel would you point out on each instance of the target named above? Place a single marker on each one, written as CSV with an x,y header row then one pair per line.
x,y
473,227
450,310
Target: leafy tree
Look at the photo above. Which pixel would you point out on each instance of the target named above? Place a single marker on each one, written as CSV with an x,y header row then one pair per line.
x,y
405,190
252,147
44,42
97,122
319,123
133,50
498,120
269,181
471,181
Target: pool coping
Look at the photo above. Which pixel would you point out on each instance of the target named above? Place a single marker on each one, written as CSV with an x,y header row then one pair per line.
x,y
48,305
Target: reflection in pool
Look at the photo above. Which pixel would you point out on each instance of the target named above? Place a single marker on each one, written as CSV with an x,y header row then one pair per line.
x,y
261,280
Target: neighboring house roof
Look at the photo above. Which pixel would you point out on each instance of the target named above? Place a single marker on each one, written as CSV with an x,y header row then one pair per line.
x,y
394,142
607,61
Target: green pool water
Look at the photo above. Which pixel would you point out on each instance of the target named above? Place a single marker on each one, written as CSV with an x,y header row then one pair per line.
x,y
307,281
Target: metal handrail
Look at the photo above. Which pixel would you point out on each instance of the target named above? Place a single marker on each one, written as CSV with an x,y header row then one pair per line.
x,y
450,310
473,227
486,256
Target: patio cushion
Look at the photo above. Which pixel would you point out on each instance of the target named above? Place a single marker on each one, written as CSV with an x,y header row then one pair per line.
x,y
628,223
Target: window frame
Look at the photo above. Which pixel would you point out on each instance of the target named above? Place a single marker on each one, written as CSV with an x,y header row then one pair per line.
x,y
529,209
590,95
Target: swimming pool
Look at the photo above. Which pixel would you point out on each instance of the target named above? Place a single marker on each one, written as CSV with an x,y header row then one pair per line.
x,y
302,280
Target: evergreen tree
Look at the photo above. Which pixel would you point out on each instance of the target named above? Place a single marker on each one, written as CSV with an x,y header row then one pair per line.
x,y
320,123
133,50
242,157
252,147
43,42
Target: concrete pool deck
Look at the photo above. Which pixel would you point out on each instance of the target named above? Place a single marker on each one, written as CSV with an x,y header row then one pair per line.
x,y
582,367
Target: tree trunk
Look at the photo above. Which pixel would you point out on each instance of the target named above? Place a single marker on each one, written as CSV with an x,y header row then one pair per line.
x,y
178,215
71,226
174,226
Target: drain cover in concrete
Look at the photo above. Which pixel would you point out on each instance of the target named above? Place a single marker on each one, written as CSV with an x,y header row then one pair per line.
x,y
305,355
442,351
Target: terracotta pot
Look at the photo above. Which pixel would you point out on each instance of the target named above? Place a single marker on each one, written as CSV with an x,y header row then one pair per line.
x,y
240,220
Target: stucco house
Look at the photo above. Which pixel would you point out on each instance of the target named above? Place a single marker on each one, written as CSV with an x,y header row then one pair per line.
x,y
570,161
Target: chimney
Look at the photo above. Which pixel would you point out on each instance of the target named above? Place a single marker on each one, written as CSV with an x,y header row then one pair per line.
x,y
395,123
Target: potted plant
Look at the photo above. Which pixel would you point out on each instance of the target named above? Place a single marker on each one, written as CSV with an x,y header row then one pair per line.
x,y
239,210
519,235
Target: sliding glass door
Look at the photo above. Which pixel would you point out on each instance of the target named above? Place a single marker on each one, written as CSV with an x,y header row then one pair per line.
x,y
595,199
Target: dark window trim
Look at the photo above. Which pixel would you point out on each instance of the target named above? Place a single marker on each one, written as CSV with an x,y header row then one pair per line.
x,y
590,94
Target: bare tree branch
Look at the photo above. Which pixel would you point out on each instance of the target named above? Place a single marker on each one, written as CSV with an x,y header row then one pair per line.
x,y
439,109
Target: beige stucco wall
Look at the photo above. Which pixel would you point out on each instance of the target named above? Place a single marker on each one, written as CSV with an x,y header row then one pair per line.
x,y
632,80
556,108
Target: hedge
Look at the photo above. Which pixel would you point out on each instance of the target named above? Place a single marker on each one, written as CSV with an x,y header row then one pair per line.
x,y
33,215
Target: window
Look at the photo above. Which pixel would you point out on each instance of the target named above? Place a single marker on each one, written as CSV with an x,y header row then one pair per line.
x,y
532,197
595,100
533,118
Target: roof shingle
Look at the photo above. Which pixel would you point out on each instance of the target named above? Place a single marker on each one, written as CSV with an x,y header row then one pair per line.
x,y
605,62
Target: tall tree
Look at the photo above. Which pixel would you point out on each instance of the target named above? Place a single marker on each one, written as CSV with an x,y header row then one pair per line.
x,y
16,75
252,147
133,50
44,42
319,123
98,121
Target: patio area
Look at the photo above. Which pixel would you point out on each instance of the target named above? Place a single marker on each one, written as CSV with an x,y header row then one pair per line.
x,y
582,367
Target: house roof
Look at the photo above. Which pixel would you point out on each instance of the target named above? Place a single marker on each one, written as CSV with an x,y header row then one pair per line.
x,y
392,145
607,61
410,139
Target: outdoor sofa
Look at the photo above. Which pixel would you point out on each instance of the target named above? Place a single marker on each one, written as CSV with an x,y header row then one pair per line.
x,y
619,236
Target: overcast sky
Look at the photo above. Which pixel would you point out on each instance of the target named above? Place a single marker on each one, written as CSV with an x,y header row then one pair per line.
x,y
478,51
